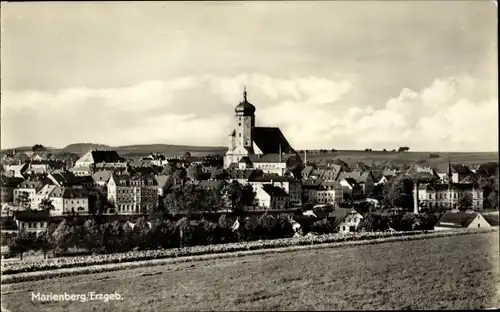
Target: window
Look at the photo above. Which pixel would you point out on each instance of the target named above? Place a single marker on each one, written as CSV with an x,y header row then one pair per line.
x,y
240,135
239,124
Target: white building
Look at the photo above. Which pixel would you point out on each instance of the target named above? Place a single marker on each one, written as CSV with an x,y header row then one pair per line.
x,y
247,140
346,220
65,200
131,194
461,219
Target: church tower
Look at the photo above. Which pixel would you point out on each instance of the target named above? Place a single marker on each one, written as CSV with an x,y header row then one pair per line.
x,y
244,124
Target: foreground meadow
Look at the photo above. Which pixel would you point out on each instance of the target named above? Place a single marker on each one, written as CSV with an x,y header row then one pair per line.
x,y
457,272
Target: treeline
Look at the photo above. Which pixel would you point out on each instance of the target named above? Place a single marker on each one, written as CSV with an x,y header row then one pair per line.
x,y
112,237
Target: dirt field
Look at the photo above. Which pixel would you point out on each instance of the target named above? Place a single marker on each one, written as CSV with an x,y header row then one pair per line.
x,y
459,272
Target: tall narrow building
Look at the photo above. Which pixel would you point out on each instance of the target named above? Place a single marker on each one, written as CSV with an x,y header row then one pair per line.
x,y
256,144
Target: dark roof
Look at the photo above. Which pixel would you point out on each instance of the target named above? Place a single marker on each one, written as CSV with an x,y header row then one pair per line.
x,y
106,156
492,219
268,178
444,186
245,160
245,174
340,214
356,175
269,140
457,219
10,181
8,224
274,191
245,107
351,181
32,215
290,159
30,183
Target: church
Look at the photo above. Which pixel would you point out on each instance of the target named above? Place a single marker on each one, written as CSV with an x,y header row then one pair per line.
x,y
252,147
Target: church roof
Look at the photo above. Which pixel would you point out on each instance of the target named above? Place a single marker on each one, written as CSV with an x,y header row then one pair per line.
x,y
269,140
245,107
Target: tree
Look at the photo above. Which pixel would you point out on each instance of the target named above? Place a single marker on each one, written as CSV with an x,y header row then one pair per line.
x,y
493,200
22,242
373,222
38,148
180,175
91,235
24,200
168,169
186,155
225,232
240,197
265,226
398,193
141,234
283,227
464,202
165,235
65,236
43,243
194,172
46,204
322,227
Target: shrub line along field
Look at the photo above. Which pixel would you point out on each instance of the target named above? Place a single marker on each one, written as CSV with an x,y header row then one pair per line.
x,y
47,274
455,272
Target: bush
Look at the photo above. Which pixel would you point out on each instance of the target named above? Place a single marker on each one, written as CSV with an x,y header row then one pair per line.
x,y
322,227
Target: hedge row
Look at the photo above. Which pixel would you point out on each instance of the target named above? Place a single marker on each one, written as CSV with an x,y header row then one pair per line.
x,y
83,261
312,244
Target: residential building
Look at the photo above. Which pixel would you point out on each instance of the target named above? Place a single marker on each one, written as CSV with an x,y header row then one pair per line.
x,y
7,186
291,186
95,160
351,189
64,200
461,219
345,220
31,188
454,172
446,196
248,140
363,178
69,179
32,221
132,194
329,192
272,197
16,171
101,178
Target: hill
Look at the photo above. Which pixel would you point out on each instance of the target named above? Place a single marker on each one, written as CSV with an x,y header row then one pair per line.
x,y
145,149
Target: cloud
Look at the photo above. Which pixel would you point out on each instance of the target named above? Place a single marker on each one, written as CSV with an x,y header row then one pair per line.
x,y
452,113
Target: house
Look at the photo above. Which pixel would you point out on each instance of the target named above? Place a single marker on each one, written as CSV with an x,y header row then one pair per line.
x,y
291,186
32,221
350,188
461,219
331,173
446,196
306,172
27,190
272,197
454,172
101,178
64,200
7,186
363,178
163,182
385,179
95,160
68,178
329,192
132,194
16,171
248,140
345,220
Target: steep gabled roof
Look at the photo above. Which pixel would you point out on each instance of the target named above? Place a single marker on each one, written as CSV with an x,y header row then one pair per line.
x,y
102,175
106,156
457,219
340,214
32,215
274,191
269,140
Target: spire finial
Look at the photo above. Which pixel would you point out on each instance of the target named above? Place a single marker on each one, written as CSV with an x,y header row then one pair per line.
x,y
245,93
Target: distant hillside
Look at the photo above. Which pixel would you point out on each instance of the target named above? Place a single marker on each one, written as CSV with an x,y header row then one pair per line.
x,y
145,149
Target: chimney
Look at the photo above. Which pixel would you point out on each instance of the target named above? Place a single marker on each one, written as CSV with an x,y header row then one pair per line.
x,y
415,198
305,157
280,152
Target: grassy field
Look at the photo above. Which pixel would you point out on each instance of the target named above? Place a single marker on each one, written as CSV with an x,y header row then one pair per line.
x,y
458,272
351,157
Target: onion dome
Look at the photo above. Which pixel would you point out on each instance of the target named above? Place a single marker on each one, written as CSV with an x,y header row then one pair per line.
x,y
245,108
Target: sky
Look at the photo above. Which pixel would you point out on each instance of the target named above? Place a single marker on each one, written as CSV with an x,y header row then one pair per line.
x,y
330,74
